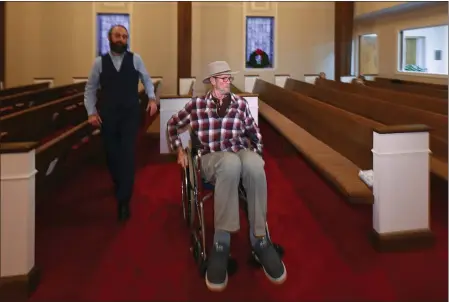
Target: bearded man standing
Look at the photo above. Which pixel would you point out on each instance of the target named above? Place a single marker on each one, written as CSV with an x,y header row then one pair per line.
x,y
117,73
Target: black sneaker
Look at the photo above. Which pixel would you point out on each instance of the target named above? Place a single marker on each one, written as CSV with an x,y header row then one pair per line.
x,y
216,273
268,257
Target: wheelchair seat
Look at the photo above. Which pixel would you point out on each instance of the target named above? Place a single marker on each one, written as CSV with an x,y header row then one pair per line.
x,y
208,186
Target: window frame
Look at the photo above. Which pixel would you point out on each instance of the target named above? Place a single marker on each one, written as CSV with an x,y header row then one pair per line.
x,y
273,33
400,54
359,57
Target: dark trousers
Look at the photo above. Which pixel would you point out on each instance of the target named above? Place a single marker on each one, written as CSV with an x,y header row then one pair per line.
x,y
119,131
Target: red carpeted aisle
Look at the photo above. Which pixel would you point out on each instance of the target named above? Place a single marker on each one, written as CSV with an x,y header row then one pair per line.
x,y
85,256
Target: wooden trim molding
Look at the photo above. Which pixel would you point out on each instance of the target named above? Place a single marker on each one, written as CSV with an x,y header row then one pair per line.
x,y
184,40
2,40
19,288
402,241
344,19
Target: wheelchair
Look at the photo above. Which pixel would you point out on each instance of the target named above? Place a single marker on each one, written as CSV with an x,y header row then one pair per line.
x,y
195,191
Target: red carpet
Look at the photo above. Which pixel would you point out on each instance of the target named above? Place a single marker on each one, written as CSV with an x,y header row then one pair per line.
x,y
85,256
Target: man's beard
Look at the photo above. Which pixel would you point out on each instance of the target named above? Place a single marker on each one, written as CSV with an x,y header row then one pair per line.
x,y
118,47
225,91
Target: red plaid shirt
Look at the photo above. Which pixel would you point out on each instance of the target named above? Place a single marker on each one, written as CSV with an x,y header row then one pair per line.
x,y
215,133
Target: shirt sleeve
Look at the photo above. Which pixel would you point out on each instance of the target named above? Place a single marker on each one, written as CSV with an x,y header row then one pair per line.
x,y
144,76
179,120
92,85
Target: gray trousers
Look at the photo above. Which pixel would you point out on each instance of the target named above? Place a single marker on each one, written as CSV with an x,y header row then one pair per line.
x,y
224,170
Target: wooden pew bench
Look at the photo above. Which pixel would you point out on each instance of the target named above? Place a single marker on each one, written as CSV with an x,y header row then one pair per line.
x,y
348,134
21,101
337,169
36,123
27,172
412,83
427,91
402,98
63,152
389,114
22,89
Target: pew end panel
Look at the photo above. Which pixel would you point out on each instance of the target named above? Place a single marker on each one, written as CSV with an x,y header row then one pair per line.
x,y
250,81
401,211
50,81
186,86
280,79
77,80
19,276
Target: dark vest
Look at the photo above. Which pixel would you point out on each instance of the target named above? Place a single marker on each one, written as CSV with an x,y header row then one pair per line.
x,y
119,89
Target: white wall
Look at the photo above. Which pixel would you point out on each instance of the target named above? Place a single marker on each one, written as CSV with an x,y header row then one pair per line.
x,y
388,28
304,37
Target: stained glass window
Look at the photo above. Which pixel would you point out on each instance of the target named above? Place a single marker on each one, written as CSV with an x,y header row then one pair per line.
x,y
104,24
259,41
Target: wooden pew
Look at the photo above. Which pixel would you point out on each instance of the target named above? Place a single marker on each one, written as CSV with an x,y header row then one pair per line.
x,y
388,113
62,153
17,102
25,176
403,98
412,83
349,137
385,113
36,123
24,88
323,138
400,183
431,92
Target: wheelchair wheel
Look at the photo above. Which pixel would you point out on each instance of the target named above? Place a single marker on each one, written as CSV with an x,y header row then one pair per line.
x,y
186,195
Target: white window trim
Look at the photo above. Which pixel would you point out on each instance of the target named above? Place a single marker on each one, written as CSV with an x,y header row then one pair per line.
x,y
398,71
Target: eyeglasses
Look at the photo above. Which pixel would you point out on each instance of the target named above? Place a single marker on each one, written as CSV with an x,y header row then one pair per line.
x,y
226,79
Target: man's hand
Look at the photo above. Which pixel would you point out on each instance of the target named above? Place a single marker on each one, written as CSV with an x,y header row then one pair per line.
x,y
152,107
182,158
95,120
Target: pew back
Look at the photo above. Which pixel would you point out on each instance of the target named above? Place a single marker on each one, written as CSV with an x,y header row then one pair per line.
x,y
24,88
403,98
34,124
427,91
25,100
378,110
347,133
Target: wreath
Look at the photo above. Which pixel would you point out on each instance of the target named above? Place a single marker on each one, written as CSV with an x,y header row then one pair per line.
x,y
258,59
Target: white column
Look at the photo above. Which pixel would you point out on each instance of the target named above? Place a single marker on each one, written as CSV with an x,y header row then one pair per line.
x,y
17,210
401,186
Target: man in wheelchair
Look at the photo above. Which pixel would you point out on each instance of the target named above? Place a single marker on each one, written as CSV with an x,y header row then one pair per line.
x,y
223,126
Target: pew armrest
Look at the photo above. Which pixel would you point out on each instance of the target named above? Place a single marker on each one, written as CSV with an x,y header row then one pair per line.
x,y
19,147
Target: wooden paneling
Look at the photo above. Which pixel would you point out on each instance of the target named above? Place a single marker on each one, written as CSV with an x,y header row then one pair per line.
x,y
184,40
344,19
2,40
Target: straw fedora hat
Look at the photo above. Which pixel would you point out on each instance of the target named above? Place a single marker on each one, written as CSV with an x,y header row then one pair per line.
x,y
217,68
